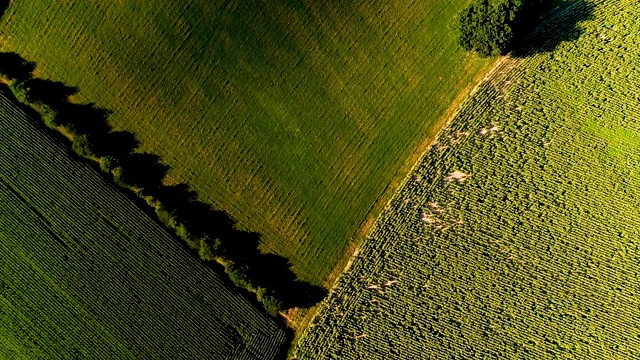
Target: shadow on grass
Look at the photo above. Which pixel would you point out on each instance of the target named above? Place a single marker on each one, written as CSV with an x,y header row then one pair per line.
x,y
4,4
561,24
180,205
15,67
269,271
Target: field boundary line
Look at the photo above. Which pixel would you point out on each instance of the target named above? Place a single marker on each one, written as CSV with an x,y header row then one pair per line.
x,y
367,225
422,151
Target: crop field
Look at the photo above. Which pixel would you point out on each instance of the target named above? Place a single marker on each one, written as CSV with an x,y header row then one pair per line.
x,y
293,116
84,274
517,235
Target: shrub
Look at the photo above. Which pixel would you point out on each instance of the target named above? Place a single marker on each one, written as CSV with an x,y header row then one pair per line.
x,y
186,235
208,248
272,305
82,146
238,275
117,177
21,92
165,217
50,117
106,163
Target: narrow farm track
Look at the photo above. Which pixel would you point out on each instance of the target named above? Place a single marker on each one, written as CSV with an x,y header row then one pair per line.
x,y
86,274
535,254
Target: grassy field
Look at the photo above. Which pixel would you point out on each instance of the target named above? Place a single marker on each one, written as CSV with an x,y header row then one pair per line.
x,y
84,274
518,234
293,116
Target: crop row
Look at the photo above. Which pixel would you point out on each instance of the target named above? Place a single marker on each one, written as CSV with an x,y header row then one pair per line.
x,y
290,116
83,263
516,235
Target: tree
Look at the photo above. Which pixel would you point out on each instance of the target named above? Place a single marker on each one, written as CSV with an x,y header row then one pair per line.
x,y
494,27
50,117
82,146
487,27
208,248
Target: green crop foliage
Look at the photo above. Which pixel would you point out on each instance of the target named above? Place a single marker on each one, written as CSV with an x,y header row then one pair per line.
x,y
85,274
292,116
517,235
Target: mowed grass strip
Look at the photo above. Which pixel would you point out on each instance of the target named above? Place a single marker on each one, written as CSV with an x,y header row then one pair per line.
x,y
517,236
86,274
293,116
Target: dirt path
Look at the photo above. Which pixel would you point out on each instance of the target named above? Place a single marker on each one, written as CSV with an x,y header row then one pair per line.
x,y
299,319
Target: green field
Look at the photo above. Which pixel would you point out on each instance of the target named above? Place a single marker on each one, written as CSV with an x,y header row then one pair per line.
x,y
533,251
84,274
293,116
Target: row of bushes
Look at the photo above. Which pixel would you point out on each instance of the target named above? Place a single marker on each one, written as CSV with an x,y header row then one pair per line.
x,y
212,233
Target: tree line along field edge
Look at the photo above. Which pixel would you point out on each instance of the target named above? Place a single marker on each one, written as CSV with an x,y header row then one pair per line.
x,y
375,114
212,233
61,256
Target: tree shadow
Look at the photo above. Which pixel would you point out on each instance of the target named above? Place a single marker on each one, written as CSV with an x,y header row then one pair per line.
x,y
82,118
14,66
270,271
142,170
52,93
560,25
213,232
116,144
4,4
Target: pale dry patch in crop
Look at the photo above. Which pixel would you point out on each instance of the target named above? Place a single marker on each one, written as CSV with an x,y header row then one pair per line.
x,y
370,220
457,175
426,218
484,131
350,262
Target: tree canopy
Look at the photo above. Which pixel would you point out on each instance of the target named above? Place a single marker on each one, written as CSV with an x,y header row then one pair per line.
x,y
487,26
491,27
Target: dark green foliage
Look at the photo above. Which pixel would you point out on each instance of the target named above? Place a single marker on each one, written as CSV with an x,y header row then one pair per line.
x,y
106,163
50,117
20,91
487,27
238,274
117,177
208,248
211,232
271,304
82,146
495,27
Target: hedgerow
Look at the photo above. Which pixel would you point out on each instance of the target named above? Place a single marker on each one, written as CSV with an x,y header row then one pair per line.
x,y
211,233
87,274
